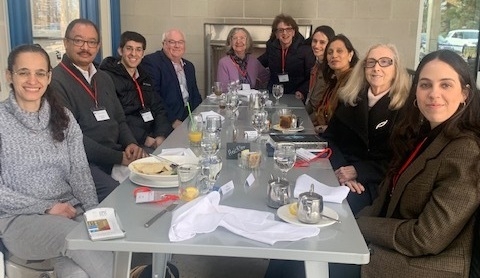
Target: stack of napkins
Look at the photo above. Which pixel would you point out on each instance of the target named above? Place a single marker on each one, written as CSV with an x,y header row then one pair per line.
x,y
333,194
204,215
210,113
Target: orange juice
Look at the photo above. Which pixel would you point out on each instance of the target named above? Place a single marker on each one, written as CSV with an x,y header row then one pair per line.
x,y
188,193
195,136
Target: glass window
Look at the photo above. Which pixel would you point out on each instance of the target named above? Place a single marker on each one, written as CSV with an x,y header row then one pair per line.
x,y
49,21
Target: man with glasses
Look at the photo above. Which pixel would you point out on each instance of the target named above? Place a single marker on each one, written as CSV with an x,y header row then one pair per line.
x,y
90,95
143,108
173,77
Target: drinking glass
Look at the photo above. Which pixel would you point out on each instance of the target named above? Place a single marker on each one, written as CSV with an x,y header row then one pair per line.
x,y
213,123
232,104
263,97
195,129
277,92
217,89
210,143
189,181
260,121
210,168
284,156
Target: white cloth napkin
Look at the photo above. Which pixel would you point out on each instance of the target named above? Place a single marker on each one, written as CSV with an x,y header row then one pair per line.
x,y
210,113
333,194
120,172
204,215
246,93
178,151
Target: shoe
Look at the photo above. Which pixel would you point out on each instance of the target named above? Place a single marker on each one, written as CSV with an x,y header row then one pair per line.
x,y
144,271
137,271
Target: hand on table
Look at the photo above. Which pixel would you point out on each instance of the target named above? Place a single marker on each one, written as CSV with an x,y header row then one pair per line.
x,y
132,152
299,95
346,173
62,209
176,123
355,186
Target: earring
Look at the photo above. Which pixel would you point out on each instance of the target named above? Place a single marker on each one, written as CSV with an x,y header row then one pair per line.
x,y
415,103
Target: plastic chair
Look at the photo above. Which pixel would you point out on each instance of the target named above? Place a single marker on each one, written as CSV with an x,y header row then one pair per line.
x,y
14,267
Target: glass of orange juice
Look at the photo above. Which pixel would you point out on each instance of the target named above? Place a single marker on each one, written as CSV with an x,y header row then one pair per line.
x,y
195,129
189,178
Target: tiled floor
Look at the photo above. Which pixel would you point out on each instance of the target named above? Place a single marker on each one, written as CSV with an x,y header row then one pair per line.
x,y
212,267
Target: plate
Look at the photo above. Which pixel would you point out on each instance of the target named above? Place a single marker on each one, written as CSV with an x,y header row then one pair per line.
x,y
286,216
152,183
288,130
159,180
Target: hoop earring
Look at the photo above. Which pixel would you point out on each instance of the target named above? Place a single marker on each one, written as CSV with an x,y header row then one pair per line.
x,y
415,103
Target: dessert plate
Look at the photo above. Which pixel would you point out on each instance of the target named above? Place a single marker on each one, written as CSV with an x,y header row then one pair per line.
x,y
284,213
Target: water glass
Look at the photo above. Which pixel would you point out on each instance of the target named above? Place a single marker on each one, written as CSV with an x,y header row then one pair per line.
x,y
260,121
210,168
210,143
217,88
213,123
277,92
195,129
284,156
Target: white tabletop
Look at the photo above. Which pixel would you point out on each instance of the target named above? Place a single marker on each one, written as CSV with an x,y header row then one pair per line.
x,y
339,243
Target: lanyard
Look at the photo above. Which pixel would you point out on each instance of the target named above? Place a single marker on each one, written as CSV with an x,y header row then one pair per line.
x,y
87,89
406,164
284,58
243,73
139,91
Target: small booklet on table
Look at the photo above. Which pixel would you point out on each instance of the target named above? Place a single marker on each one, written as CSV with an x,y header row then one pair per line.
x,y
103,224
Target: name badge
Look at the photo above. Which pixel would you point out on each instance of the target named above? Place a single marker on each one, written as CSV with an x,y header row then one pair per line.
x,y
100,114
283,77
146,115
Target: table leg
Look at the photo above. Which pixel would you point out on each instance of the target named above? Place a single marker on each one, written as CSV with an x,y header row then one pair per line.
x,y
315,269
159,264
122,264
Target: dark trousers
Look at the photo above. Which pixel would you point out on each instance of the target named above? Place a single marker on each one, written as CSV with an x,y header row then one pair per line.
x,y
296,269
104,183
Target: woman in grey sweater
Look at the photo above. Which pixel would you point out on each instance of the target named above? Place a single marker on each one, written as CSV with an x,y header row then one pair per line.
x,y
45,181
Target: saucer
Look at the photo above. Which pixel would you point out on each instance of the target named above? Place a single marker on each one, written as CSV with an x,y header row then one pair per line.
x,y
284,214
288,130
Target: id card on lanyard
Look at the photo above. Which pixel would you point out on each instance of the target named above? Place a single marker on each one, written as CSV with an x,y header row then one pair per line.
x,y
146,114
99,112
283,77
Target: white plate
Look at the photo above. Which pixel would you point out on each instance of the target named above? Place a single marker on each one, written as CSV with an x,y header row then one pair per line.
x,y
152,183
288,130
286,216
168,180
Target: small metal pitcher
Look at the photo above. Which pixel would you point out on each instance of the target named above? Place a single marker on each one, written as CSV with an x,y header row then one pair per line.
x,y
278,193
310,207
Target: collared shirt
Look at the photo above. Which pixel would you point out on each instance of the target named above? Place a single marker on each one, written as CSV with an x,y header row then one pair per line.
x,y
182,80
88,74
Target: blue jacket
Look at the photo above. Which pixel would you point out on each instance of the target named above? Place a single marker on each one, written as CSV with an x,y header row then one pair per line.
x,y
165,82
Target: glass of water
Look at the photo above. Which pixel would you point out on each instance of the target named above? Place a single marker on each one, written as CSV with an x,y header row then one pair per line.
x,y
277,92
284,156
260,121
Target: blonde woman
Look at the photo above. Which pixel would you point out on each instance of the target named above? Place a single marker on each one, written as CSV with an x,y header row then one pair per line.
x,y
360,128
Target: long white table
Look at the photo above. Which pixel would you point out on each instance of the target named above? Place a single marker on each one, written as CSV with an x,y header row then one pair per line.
x,y
338,243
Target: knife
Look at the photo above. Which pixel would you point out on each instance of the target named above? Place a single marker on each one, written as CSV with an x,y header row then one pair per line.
x,y
158,215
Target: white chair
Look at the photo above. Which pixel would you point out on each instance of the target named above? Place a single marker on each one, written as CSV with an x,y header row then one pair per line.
x,y
18,268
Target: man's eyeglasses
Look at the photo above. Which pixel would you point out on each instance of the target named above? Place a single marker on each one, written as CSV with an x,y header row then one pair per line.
x,y
80,42
174,43
24,73
383,62
284,30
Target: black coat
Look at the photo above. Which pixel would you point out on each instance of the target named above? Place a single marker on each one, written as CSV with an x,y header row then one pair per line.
x,y
360,137
299,62
129,98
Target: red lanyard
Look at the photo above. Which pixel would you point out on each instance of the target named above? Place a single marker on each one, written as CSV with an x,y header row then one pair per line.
x,y
243,73
139,91
87,89
407,163
284,58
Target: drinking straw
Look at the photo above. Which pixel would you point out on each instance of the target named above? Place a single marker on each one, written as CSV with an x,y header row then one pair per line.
x,y
190,113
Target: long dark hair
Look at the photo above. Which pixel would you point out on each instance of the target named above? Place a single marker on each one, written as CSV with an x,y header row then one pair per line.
x,y
328,73
58,117
412,126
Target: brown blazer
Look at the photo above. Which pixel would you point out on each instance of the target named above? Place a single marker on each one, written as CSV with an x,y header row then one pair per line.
x,y
428,228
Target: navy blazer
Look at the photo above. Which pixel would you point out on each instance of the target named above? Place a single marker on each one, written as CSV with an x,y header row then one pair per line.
x,y
165,82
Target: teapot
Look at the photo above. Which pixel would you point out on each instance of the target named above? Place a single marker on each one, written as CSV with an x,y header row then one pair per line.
x,y
310,207
278,192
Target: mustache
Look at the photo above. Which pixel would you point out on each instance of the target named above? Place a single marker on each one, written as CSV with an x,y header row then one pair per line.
x,y
84,52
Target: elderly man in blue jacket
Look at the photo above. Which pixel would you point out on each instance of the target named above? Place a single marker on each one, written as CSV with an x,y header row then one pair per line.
x,y
173,77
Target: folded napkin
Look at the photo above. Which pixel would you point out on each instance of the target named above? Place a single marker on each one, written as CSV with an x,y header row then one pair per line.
x,y
333,194
204,215
120,172
178,151
210,113
246,93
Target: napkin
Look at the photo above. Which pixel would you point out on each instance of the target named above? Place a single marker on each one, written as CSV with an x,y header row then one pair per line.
x,y
246,93
204,215
178,151
120,172
333,194
210,113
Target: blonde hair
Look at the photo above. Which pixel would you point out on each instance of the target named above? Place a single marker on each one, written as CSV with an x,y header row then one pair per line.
x,y
357,81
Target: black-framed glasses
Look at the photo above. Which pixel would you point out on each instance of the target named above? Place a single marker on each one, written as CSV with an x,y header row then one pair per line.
x,y
80,42
25,73
383,62
283,30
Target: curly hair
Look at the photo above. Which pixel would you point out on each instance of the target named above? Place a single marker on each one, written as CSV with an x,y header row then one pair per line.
x,y
59,119
288,20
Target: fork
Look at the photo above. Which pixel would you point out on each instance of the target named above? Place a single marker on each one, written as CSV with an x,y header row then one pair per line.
x,y
172,164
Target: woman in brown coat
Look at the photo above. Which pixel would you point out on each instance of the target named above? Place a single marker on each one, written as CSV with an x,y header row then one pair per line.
x,y
421,225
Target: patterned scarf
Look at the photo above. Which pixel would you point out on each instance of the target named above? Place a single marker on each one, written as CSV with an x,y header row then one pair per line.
x,y
242,64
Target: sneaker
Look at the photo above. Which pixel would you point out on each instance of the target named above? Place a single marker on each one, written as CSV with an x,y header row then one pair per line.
x,y
145,271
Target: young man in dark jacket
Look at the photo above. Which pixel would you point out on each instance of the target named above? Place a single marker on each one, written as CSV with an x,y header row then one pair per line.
x,y
143,107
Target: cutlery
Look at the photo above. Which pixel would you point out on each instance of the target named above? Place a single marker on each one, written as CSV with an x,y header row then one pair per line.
x,y
173,164
158,215
331,218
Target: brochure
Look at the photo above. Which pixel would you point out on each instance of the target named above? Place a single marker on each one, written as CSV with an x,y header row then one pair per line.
x,y
103,224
